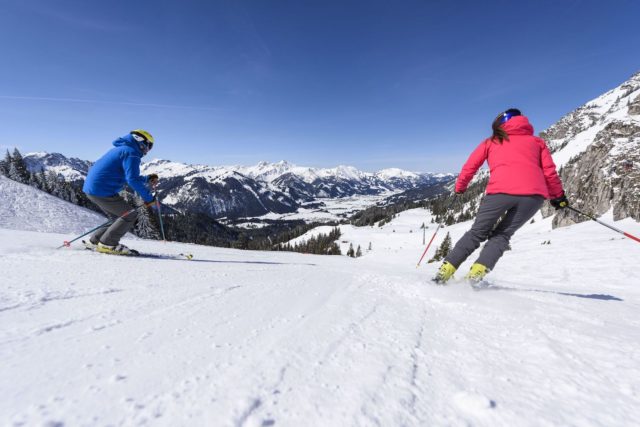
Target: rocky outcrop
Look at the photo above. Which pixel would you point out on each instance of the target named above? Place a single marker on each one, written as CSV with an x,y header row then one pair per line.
x,y
598,149
605,176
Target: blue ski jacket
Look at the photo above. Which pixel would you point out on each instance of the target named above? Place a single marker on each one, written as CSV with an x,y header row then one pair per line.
x,y
119,166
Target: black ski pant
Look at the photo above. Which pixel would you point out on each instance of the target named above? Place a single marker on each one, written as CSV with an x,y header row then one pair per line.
x,y
113,207
515,211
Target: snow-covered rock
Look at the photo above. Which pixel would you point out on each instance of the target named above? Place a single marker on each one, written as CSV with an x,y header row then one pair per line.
x,y
598,148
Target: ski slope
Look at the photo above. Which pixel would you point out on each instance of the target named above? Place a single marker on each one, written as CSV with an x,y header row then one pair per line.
x,y
246,338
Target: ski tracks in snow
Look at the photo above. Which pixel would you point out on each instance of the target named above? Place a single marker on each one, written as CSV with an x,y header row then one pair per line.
x,y
282,343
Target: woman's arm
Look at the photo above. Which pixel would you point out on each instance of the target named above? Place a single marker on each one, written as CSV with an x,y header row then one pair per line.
x,y
471,166
554,185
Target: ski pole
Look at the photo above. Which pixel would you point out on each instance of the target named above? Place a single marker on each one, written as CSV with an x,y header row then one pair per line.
x,y
435,232
605,224
160,217
427,248
68,243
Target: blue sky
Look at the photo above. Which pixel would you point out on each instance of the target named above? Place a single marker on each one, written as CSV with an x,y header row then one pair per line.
x,y
373,84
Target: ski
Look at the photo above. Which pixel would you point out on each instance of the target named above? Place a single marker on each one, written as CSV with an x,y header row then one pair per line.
x,y
137,254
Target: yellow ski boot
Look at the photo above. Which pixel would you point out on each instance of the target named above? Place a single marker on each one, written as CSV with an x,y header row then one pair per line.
x,y
477,273
444,273
118,249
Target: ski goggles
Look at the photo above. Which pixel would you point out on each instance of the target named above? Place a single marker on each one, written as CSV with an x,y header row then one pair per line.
x,y
512,112
148,145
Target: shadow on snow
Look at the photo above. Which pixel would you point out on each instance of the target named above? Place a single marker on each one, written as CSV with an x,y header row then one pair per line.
x,y
602,297
249,262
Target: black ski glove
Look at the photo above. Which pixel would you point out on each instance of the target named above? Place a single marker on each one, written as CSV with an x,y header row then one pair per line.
x,y
152,179
153,204
559,202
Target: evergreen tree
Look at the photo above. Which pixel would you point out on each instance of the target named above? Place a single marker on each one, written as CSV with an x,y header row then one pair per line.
x,y
145,225
358,252
351,252
13,172
41,181
4,164
18,168
443,250
52,183
32,180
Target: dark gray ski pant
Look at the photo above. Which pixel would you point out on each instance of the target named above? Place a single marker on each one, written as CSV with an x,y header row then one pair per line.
x,y
113,207
517,210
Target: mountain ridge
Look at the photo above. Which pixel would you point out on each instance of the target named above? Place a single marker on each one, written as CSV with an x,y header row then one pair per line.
x,y
249,191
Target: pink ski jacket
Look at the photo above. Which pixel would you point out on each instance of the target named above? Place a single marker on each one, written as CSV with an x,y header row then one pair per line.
x,y
521,165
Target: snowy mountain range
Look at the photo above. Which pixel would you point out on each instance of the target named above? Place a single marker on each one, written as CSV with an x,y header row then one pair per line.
x,y
244,191
596,147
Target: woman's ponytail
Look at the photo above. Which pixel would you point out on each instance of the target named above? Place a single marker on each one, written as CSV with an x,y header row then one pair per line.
x,y
499,133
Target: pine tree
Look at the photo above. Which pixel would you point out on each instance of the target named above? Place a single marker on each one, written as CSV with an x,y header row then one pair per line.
x,y
145,226
13,172
369,248
350,252
53,185
358,252
41,181
18,168
4,164
443,250
32,180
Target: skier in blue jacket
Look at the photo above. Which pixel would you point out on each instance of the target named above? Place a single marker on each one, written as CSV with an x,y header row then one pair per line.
x,y
107,177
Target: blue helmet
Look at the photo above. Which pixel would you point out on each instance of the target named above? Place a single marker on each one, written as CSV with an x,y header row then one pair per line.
x,y
511,112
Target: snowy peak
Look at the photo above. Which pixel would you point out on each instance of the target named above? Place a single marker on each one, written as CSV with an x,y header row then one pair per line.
x,y
265,171
392,173
573,133
71,169
597,147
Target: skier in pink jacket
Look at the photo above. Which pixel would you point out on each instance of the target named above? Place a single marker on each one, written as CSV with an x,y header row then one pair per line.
x,y
522,176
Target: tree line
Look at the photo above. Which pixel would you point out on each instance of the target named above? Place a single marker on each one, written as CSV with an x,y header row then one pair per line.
x,y
322,244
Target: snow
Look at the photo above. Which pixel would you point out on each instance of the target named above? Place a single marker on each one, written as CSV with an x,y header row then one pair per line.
x,y
390,173
323,229
70,169
332,209
605,109
248,338
24,208
268,172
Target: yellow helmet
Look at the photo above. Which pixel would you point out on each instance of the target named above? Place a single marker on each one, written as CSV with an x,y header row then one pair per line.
x,y
143,134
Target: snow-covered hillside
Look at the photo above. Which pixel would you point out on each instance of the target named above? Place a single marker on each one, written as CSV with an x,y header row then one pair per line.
x,y
24,208
238,338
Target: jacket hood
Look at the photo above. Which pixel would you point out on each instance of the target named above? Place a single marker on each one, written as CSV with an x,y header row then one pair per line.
x,y
518,125
129,142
